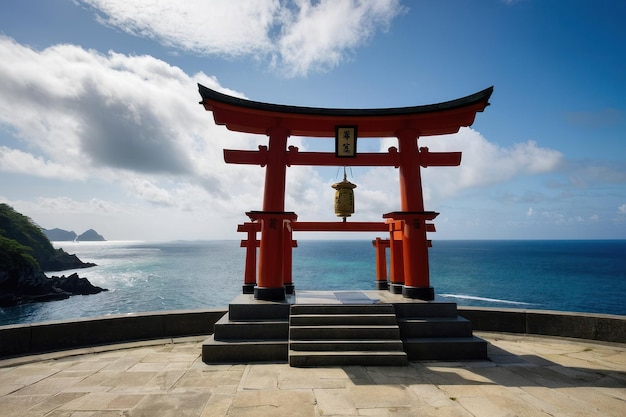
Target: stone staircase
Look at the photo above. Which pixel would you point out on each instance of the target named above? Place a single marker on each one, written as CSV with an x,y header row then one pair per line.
x,y
249,332
304,335
334,335
435,331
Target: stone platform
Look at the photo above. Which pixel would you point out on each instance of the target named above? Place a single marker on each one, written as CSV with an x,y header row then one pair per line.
x,y
324,328
524,376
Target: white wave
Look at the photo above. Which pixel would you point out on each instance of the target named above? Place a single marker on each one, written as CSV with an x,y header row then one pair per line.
x,y
491,300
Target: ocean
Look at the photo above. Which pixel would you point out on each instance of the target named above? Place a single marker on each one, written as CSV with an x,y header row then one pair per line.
x,y
565,275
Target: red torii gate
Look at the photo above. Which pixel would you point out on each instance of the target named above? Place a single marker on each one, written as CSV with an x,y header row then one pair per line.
x,y
407,226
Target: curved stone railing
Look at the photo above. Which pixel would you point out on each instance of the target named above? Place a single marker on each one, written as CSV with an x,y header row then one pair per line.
x,y
602,327
18,340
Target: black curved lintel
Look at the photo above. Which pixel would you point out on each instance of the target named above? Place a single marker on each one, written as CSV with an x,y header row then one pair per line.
x,y
476,98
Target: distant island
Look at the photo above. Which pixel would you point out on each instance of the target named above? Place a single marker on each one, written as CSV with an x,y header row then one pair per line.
x,y
60,235
25,252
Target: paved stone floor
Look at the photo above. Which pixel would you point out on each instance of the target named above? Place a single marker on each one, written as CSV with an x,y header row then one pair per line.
x,y
525,376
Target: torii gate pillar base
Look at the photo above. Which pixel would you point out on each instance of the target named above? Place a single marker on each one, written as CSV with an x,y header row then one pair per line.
x,y
420,293
248,288
395,288
269,294
382,285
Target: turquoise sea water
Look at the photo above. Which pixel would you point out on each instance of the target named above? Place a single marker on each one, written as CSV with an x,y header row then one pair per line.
x,y
582,276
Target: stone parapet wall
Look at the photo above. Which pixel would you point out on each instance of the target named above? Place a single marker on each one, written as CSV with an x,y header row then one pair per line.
x,y
18,340
601,327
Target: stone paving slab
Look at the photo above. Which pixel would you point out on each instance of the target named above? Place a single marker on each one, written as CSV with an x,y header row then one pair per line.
x,y
524,376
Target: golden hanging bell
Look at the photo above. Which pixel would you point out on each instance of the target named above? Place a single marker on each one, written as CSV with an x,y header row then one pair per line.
x,y
344,197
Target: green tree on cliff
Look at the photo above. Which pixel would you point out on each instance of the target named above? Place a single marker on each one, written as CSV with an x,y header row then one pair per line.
x,y
23,241
20,237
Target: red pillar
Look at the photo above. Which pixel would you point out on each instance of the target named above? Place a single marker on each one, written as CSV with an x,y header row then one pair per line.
x,y
396,276
273,218
288,245
415,253
381,263
414,242
270,281
411,197
274,194
251,244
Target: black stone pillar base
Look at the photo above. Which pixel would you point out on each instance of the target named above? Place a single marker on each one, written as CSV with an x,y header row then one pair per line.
x,y
420,293
395,288
382,285
289,289
248,288
269,294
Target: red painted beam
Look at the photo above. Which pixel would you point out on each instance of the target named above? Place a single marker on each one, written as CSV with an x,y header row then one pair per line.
x,y
329,159
294,157
249,227
439,159
328,227
246,157
340,227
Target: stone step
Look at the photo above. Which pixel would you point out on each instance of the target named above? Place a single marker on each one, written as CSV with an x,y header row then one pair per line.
x,y
258,330
435,327
344,332
447,348
242,351
245,307
341,319
226,329
298,309
393,345
365,358
426,309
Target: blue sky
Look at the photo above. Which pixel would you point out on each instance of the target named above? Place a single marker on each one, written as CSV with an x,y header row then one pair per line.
x,y
100,125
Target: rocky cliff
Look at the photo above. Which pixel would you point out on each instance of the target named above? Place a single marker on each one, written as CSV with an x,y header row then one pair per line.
x,y
24,253
27,284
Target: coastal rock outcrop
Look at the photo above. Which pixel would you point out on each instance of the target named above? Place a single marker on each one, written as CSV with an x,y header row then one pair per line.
x,y
90,236
25,253
64,261
29,285
60,235
75,285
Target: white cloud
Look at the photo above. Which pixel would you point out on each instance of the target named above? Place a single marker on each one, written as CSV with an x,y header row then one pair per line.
x,y
622,209
106,113
70,214
483,163
224,27
297,35
71,206
133,120
317,36
146,190
16,161
122,221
